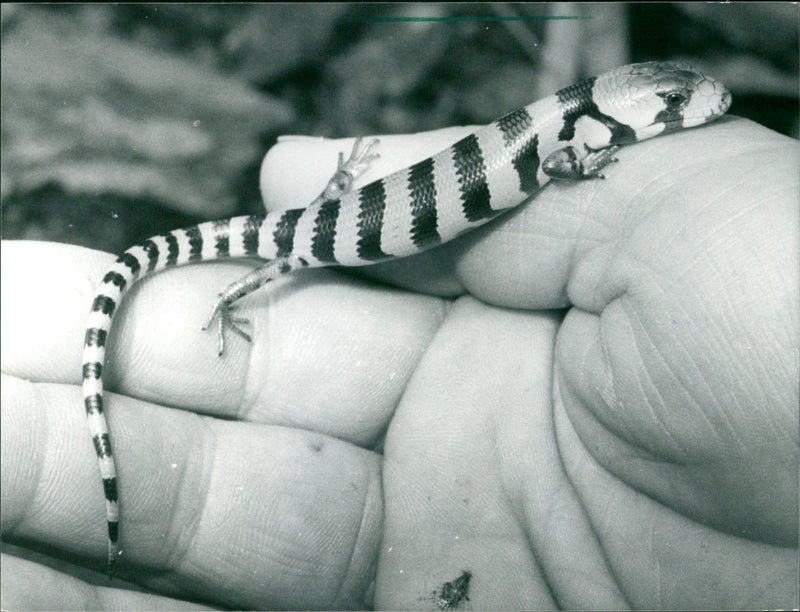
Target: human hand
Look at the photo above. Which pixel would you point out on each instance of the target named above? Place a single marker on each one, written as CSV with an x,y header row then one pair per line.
x,y
643,450
602,459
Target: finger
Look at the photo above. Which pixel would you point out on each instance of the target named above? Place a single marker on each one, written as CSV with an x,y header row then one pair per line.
x,y
328,353
55,590
245,516
297,169
45,285
523,259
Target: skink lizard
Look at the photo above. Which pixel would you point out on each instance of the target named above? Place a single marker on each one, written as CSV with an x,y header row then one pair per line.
x,y
571,135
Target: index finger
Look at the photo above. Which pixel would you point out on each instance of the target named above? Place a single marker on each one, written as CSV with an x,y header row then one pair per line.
x,y
525,257
329,354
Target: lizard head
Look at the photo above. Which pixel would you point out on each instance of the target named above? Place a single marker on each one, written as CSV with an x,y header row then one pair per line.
x,y
659,97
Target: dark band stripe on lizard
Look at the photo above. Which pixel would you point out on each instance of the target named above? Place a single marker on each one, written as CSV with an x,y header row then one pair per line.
x,y
471,172
283,236
422,201
220,239
371,206
578,102
526,159
195,238
325,232
570,135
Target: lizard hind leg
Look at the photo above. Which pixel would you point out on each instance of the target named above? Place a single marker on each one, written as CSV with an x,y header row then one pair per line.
x,y
361,158
247,284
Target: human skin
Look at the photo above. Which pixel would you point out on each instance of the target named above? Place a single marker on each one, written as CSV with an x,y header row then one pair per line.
x,y
600,409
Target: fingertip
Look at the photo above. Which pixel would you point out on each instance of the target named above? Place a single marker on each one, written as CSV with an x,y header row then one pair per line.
x,y
297,168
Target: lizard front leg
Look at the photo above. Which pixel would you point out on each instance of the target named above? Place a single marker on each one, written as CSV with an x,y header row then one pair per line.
x,y
570,164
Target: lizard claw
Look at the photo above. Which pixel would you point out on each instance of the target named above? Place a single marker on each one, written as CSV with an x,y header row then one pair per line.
x,y
226,321
361,157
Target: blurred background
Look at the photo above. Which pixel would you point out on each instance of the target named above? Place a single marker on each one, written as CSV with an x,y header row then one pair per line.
x,y
120,121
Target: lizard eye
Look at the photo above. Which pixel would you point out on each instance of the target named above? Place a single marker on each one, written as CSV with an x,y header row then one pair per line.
x,y
675,100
